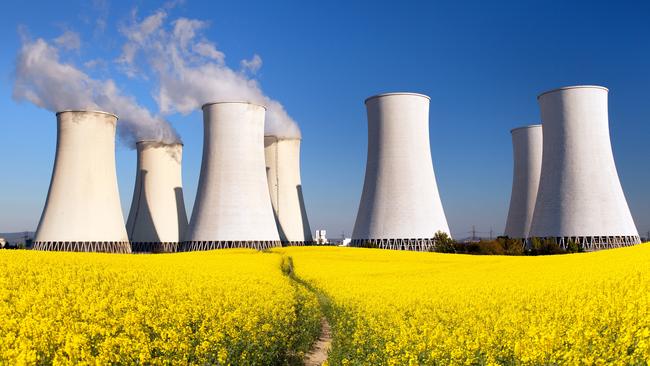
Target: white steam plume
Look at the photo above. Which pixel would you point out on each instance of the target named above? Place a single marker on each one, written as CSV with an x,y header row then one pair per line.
x,y
44,80
69,40
191,71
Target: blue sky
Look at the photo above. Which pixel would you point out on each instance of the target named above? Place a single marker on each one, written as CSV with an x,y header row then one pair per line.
x,y
482,64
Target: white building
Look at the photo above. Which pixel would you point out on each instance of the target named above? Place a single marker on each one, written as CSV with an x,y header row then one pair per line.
x,y
400,206
580,196
157,220
82,211
321,237
233,206
283,174
527,153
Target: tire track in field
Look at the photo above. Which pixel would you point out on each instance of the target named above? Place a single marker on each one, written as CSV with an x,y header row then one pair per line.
x,y
319,351
317,355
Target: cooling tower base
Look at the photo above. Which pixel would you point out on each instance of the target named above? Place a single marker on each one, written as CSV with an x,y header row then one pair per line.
x,y
154,247
420,245
593,243
87,246
296,243
190,246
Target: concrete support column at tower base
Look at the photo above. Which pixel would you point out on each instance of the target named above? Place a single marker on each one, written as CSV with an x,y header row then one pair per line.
x,y
420,244
88,246
190,246
592,243
154,247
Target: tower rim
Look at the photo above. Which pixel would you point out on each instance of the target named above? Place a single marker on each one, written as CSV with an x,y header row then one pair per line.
x,y
573,87
149,141
233,102
281,138
87,111
396,93
525,127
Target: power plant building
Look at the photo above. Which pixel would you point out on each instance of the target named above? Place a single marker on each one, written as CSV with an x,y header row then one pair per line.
x,y
233,206
580,197
283,173
82,212
527,152
400,205
157,220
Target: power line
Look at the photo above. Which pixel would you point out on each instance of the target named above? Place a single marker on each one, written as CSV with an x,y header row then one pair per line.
x,y
474,232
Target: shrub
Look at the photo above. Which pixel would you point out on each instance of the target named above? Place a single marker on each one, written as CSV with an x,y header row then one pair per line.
x,y
443,243
545,246
573,247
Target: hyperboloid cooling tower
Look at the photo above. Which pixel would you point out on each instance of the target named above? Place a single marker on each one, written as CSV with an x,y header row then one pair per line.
x,y
232,207
283,174
580,197
400,206
527,152
157,221
82,212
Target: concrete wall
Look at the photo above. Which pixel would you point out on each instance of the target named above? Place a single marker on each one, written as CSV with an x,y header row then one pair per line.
x,y
83,202
157,212
232,201
527,153
283,174
579,192
400,197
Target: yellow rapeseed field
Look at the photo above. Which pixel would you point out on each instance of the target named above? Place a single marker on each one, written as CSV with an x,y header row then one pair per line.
x,y
404,308
221,307
385,307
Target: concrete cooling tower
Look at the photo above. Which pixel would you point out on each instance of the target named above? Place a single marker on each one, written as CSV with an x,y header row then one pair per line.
x,y
580,197
400,206
283,174
157,221
527,152
232,207
82,212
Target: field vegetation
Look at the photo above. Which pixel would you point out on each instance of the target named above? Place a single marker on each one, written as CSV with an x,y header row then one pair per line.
x,y
242,307
221,307
503,245
406,308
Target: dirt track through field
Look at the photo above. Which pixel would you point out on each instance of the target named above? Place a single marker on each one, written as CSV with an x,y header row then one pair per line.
x,y
318,353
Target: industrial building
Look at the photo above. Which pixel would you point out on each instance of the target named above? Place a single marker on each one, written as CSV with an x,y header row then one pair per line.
x,y
233,206
400,206
580,198
321,237
283,173
527,153
82,212
157,220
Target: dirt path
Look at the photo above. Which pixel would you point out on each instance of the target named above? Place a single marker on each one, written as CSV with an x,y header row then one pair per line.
x,y
318,353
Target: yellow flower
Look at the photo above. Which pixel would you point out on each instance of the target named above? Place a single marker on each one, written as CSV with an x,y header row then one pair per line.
x,y
393,307
226,307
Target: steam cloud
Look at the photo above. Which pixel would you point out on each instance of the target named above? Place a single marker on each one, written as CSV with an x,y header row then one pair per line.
x,y
191,71
44,80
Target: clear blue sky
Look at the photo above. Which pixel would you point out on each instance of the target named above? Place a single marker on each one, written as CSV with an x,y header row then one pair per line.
x,y
482,64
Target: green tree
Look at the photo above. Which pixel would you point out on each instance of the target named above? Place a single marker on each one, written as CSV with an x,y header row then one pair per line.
x,y
443,243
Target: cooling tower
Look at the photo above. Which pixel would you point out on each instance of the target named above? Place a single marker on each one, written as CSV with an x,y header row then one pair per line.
x,y
283,174
82,212
580,197
400,206
527,152
232,207
157,221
